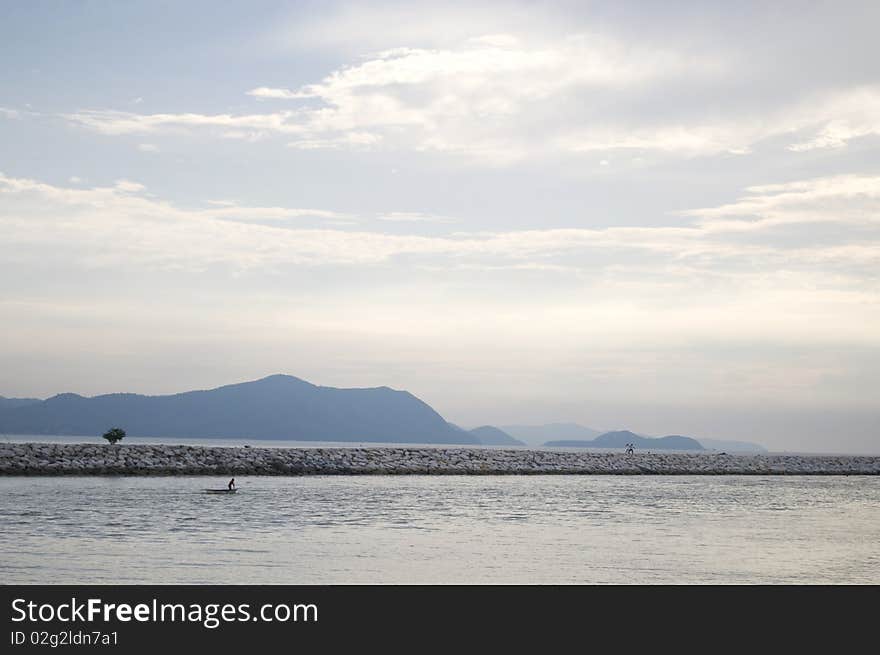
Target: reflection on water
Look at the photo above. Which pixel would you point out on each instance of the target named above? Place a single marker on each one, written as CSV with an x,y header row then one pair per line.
x,y
446,529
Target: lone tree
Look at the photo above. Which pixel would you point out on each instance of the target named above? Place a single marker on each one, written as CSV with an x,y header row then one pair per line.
x,y
114,434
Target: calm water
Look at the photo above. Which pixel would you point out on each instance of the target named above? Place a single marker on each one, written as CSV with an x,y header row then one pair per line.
x,y
505,529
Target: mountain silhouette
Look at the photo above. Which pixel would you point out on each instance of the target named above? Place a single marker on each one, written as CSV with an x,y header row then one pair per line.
x,y
10,403
732,446
275,407
619,439
538,434
489,435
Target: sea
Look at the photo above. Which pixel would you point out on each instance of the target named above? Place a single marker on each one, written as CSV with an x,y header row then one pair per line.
x,y
442,530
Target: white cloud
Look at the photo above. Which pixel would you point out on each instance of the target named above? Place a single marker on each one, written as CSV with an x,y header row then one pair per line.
x,y
628,301
476,99
358,27
842,117
350,140
833,120
498,98
414,217
127,186
525,72
123,221
259,214
148,147
671,139
840,199
497,40
450,100
118,122
275,94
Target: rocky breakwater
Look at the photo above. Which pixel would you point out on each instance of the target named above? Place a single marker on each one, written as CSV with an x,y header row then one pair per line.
x,y
101,459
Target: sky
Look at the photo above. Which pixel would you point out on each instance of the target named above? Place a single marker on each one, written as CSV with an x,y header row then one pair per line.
x,y
663,217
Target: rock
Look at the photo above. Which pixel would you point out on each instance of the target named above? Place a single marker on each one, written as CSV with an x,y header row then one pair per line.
x,y
90,459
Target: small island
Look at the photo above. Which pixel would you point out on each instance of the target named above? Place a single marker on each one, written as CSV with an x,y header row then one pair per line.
x,y
621,438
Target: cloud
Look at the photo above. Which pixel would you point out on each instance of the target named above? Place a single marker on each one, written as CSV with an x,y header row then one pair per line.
x,y
842,117
514,72
839,199
688,140
413,217
477,99
627,303
127,209
355,27
260,214
496,101
127,186
766,229
499,98
832,119
275,94
452,100
349,140
497,40
116,123
148,147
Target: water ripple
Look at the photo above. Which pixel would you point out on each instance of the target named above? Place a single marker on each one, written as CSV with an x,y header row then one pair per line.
x,y
470,529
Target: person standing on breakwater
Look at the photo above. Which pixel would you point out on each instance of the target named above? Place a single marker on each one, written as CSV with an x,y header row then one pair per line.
x,y
231,484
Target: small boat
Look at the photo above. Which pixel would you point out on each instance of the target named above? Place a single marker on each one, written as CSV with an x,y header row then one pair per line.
x,y
220,491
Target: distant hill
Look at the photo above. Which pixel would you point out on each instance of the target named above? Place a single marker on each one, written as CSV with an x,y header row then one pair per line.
x,y
538,434
492,436
276,407
10,403
619,439
733,446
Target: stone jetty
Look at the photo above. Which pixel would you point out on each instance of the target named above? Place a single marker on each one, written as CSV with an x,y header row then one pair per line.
x,y
104,459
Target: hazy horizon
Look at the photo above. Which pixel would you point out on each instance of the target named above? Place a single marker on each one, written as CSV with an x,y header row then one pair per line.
x,y
614,425
658,217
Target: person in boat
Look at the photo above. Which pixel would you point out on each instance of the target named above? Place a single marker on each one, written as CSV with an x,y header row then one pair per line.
x,y
231,484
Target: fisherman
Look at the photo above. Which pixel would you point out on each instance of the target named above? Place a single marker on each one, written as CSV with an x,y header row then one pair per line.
x,y
231,484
